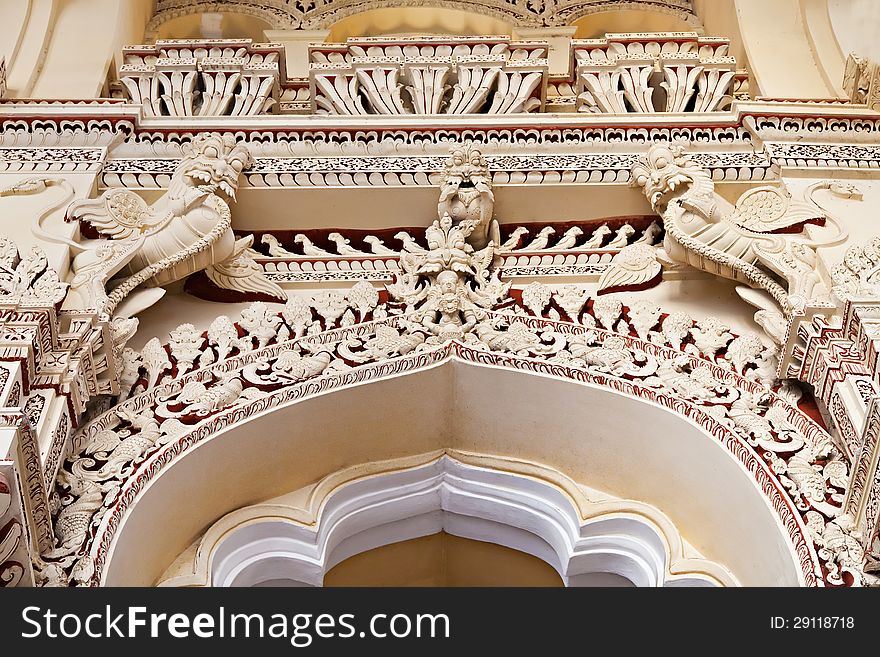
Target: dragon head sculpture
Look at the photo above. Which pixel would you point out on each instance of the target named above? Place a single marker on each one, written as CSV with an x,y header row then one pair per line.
x,y
213,164
666,171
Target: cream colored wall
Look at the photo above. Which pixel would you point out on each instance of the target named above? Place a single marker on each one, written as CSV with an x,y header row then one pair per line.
x,y
213,26
442,560
720,19
779,44
26,29
18,213
416,20
596,26
858,216
856,24
64,48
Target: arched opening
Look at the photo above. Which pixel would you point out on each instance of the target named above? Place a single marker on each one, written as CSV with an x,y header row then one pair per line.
x,y
628,447
417,21
214,25
596,26
582,534
443,560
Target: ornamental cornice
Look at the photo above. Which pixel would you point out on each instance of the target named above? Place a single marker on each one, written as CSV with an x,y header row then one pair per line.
x,y
391,171
750,143
804,128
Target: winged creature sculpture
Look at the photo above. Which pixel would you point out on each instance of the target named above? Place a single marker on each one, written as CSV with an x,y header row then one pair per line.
x,y
188,229
760,241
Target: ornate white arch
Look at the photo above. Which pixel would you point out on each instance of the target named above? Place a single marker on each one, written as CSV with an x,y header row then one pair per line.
x,y
522,506
448,307
175,439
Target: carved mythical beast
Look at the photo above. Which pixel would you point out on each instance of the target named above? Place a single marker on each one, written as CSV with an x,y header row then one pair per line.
x,y
466,195
188,229
760,242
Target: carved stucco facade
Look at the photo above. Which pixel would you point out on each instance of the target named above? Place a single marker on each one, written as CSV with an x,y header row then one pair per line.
x,y
314,274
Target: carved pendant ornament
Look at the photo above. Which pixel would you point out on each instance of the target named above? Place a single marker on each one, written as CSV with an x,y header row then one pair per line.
x,y
448,301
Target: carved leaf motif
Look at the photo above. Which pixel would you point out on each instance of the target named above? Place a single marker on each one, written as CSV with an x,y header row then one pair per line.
x,y
131,364
607,310
535,297
710,336
364,297
644,315
744,350
676,328
206,358
186,346
28,279
223,335
155,360
297,313
260,323
330,305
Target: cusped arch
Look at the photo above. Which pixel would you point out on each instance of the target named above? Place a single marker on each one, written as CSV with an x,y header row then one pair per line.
x,y
518,505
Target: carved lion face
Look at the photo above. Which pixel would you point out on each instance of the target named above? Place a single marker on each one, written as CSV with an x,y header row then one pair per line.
x,y
466,169
213,164
660,173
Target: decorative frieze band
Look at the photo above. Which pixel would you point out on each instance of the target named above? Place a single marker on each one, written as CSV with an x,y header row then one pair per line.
x,y
855,156
203,78
68,160
431,75
394,171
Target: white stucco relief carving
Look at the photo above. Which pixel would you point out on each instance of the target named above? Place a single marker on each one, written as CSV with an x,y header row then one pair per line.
x,y
448,301
615,75
202,78
64,362
745,243
430,75
187,230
